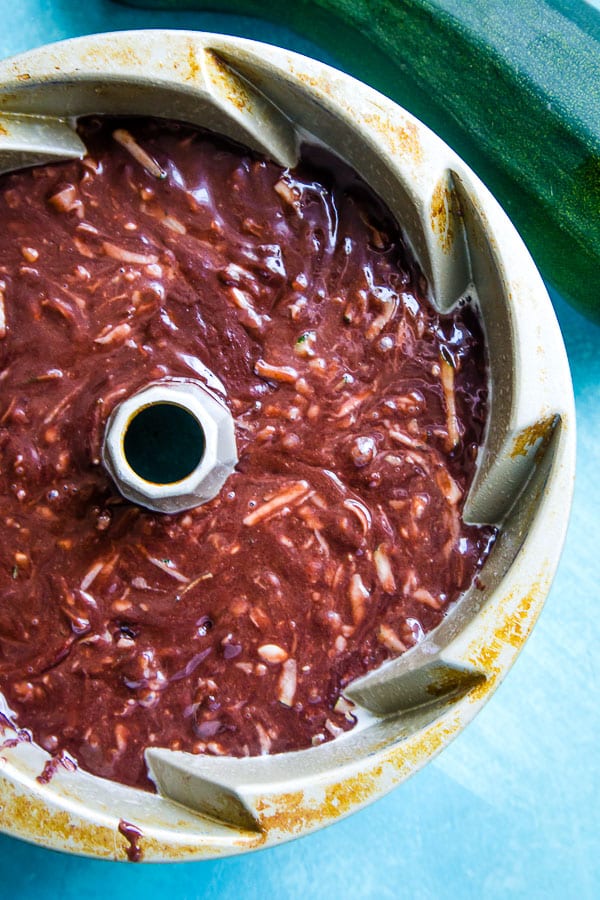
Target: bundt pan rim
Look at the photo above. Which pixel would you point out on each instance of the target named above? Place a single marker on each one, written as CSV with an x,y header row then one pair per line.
x,y
270,99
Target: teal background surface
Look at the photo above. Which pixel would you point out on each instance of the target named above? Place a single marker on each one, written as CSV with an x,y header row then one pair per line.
x,y
511,808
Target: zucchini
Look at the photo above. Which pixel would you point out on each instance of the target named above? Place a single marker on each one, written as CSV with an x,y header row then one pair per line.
x,y
513,88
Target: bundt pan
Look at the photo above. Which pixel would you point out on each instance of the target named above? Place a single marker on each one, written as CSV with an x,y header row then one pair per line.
x,y
270,99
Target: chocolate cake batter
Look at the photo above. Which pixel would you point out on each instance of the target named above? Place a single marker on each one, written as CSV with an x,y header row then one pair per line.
x,y
337,543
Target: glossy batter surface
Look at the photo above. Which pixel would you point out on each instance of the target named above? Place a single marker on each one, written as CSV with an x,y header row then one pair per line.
x,y
337,543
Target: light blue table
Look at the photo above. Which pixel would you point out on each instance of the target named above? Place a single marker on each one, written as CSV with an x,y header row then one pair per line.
x,y
511,808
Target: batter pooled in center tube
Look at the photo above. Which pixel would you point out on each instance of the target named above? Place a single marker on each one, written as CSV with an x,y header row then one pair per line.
x,y
337,543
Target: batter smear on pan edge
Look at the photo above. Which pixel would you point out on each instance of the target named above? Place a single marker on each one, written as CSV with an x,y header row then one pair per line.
x,y
337,543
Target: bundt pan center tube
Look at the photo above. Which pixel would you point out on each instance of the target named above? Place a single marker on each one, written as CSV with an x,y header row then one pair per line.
x,y
411,707
170,446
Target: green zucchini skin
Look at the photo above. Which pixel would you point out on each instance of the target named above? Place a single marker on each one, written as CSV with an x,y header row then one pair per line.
x,y
514,89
